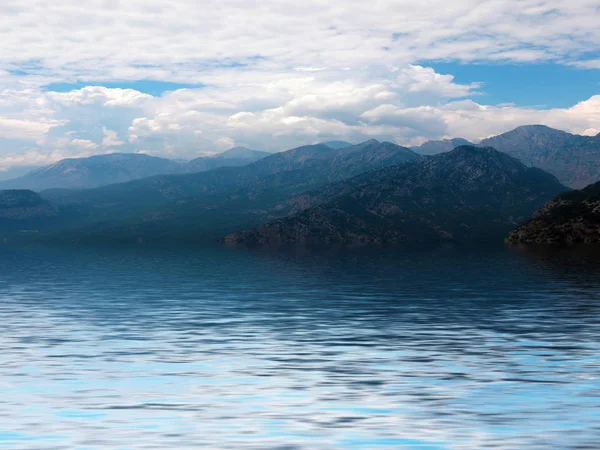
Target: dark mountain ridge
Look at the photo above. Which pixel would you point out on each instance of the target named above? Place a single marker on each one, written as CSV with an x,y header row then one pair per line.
x,y
570,218
224,198
20,210
468,194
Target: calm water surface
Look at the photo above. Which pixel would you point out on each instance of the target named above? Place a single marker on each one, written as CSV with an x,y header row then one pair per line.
x,y
222,348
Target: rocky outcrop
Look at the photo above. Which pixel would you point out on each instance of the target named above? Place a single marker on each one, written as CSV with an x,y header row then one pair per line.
x,y
570,218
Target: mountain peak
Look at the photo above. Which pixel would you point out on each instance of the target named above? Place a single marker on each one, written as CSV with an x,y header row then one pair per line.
x,y
573,159
441,146
541,129
370,142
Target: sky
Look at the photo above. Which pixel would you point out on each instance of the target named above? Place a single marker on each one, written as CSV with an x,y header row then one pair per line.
x,y
183,79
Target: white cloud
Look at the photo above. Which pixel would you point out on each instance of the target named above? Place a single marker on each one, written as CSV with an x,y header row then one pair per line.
x,y
110,138
182,41
273,77
84,144
407,106
417,79
25,129
98,95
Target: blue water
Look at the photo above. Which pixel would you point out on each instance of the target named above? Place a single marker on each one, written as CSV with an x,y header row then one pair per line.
x,y
141,348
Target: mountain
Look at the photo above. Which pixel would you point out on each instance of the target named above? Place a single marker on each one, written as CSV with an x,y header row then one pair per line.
x,y
570,218
467,194
24,212
16,171
223,199
337,144
92,172
573,159
234,157
435,147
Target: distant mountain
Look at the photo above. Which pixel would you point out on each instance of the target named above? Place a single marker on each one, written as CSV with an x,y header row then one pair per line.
x,y
234,157
222,199
435,147
570,218
16,171
468,194
92,172
337,144
573,159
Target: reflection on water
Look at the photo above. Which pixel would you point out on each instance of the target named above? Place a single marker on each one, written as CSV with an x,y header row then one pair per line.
x,y
223,348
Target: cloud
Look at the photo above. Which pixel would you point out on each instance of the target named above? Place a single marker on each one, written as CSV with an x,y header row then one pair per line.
x,y
178,41
273,77
418,79
406,105
110,139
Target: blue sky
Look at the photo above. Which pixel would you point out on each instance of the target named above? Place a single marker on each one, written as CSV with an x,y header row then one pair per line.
x,y
544,85
180,79
152,87
527,84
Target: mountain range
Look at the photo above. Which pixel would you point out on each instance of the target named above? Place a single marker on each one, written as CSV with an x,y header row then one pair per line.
x,y
218,200
573,159
471,193
370,192
102,170
91,172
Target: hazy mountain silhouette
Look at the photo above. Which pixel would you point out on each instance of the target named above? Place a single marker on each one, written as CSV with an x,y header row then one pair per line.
x,y
573,159
444,145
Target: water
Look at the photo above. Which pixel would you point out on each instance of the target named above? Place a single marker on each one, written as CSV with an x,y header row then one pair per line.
x,y
221,348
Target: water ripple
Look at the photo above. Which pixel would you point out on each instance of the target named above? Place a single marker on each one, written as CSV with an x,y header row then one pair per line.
x,y
220,348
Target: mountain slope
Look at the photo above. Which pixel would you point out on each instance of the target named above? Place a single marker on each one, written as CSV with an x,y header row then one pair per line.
x,y
470,193
570,218
337,144
294,169
16,172
24,212
92,172
435,147
234,157
24,204
573,159
223,199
